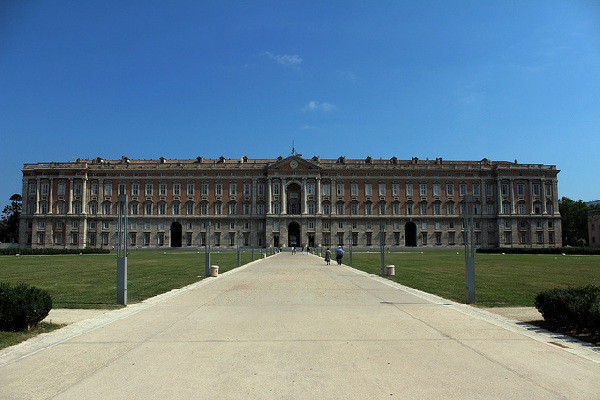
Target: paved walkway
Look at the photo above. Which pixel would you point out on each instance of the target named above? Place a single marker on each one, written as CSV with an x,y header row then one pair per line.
x,y
289,327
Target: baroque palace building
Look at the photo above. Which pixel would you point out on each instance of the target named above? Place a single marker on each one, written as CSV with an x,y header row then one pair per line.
x,y
289,201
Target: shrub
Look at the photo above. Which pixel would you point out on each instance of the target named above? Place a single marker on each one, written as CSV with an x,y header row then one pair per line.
x,y
22,306
546,250
574,308
50,251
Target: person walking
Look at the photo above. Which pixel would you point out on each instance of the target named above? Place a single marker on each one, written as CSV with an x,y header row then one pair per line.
x,y
293,249
328,256
339,254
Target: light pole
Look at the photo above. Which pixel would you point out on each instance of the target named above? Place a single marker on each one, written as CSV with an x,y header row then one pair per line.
x,y
469,250
239,258
382,244
122,250
351,244
207,253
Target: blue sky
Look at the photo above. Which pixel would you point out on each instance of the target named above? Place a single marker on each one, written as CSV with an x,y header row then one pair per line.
x,y
460,80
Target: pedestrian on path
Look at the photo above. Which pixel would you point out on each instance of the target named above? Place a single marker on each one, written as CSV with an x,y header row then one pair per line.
x,y
293,249
339,254
328,256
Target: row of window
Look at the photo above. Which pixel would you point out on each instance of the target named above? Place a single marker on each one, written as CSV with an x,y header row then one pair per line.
x,y
476,189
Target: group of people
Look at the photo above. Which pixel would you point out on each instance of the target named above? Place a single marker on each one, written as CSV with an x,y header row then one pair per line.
x,y
304,248
339,254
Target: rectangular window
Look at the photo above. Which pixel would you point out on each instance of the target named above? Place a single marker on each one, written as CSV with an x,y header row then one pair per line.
x,y
149,189
423,189
218,209
409,208
521,209
437,208
437,189
382,189
369,237
476,189
107,189
423,208
450,189
232,189
339,208
505,189
424,238
133,239
45,187
548,190
490,208
326,190
261,189
536,189
354,189
462,189
261,208
451,238
122,188
520,189
396,208
162,189
450,208
61,188
204,208
276,188
395,189
551,237
310,189
246,209
162,209
32,188
135,189
438,238
276,208
409,189
489,189
381,208
326,208
368,189
176,189
190,189
232,209
505,208
340,189
219,189
176,209
204,189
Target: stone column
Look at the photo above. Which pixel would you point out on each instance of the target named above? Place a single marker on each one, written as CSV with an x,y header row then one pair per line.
x,y
333,196
37,195
269,200
70,196
50,193
482,191
499,195
253,210
318,196
512,196
555,196
84,185
543,197
304,204
101,196
283,197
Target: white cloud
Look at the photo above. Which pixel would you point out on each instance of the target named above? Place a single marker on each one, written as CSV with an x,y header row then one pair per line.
x,y
284,59
316,106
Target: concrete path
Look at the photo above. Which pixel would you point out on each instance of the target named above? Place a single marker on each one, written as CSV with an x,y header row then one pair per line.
x,y
289,327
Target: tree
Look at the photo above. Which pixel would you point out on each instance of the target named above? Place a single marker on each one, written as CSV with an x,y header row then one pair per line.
x,y
574,222
9,224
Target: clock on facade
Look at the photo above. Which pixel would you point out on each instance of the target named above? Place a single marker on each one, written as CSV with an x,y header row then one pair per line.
x,y
294,164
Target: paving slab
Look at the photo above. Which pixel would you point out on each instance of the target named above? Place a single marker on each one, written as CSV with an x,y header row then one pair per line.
x,y
290,327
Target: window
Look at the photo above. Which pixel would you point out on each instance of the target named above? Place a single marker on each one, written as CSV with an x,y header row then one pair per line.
x,y
551,224
104,238
232,208
423,208
276,188
451,238
490,208
462,189
161,239
548,190
549,208
146,238
276,207
149,189
176,208
78,189
505,189
381,208
107,188
189,208
437,208
326,189
76,207
32,188
505,208
60,207
246,209
536,189
310,189
409,208
261,189
537,208
520,189
450,189
45,187
507,237
521,209
311,207
219,189
409,189
423,189
261,208
204,208
396,208
489,189
368,209
107,208
369,237
438,238
162,189
437,189
94,189
162,208
326,208
133,239
354,189
204,189
135,189
325,225
232,189
61,188
450,208
339,208
476,208
176,189
92,239
340,189
368,189
340,225
218,208
424,238
395,189
148,208
551,237
74,238
246,189
121,189
476,189
382,189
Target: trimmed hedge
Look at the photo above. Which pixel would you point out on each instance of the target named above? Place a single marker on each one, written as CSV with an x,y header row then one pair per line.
x,y
50,251
548,250
22,306
573,308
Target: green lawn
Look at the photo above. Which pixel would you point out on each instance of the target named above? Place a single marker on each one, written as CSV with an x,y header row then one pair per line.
x,y
12,338
500,280
89,281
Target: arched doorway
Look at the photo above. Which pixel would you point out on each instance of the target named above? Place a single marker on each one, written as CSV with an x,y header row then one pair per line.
x,y
294,194
176,234
294,234
410,234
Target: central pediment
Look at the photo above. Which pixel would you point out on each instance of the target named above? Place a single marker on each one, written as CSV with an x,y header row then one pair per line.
x,y
292,164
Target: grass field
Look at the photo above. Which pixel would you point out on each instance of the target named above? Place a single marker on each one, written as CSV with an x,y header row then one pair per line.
x,y
89,281
500,280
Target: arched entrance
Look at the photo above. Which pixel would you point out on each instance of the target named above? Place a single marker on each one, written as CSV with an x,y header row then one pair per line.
x,y
176,234
410,234
294,234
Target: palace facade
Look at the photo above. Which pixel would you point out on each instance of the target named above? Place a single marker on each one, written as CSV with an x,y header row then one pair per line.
x,y
289,201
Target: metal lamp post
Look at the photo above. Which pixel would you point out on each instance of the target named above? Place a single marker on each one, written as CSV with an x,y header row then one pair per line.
x,y
351,244
122,250
239,256
207,253
469,250
382,244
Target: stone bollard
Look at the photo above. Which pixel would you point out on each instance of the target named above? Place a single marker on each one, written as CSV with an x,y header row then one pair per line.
x,y
214,270
390,270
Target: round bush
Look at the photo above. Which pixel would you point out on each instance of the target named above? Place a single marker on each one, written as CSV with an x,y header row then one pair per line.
x,y
22,306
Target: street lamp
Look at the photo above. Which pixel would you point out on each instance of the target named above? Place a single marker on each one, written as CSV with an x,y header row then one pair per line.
x,y
469,250
122,249
350,244
239,259
207,253
382,244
